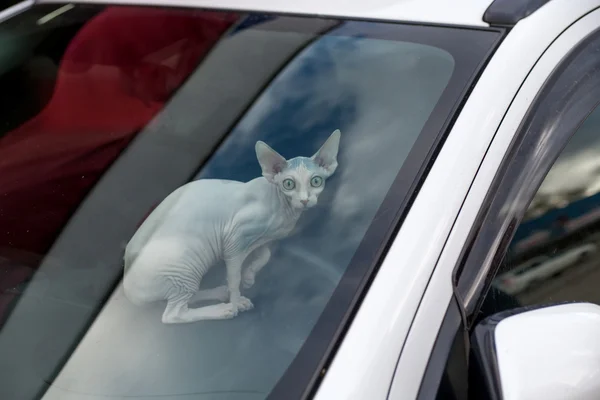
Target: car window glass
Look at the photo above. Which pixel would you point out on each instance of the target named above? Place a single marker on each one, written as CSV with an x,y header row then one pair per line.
x,y
104,116
562,224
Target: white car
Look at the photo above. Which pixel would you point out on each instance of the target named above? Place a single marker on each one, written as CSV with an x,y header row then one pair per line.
x,y
538,269
452,114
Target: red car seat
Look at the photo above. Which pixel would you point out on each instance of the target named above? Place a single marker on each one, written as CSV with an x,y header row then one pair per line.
x,y
115,75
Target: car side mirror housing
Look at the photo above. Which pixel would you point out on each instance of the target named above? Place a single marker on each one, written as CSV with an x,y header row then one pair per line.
x,y
549,353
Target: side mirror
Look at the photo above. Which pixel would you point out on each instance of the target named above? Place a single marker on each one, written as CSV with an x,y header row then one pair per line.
x,y
548,353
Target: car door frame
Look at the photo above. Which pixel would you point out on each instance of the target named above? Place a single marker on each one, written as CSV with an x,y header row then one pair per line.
x,y
446,349
551,121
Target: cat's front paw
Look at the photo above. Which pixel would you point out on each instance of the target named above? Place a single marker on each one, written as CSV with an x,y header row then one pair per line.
x,y
248,281
244,304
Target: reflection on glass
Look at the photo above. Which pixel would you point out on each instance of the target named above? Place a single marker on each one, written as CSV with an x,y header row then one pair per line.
x,y
554,255
130,113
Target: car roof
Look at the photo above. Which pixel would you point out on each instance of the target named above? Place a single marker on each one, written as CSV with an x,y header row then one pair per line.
x,y
455,12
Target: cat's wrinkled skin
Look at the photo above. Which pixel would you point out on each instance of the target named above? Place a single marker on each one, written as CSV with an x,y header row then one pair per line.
x,y
206,221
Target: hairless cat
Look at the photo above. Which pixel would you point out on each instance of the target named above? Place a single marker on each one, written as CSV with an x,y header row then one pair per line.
x,y
209,220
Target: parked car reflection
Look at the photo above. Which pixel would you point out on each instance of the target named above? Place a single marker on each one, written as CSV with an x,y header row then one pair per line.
x,y
534,271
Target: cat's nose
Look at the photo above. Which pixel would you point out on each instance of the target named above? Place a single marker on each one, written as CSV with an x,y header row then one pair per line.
x,y
305,202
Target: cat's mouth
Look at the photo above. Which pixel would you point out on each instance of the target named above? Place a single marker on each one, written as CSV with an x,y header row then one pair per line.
x,y
305,206
302,205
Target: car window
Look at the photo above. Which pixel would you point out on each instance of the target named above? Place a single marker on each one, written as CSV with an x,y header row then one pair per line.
x,y
114,115
515,238
562,225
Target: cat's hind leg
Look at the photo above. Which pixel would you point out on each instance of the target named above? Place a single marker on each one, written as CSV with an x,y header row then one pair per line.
x,y
178,311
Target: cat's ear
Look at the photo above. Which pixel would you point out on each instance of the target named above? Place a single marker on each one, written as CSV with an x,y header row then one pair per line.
x,y
326,157
270,161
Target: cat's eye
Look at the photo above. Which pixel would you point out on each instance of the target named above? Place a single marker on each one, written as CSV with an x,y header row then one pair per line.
x,y
316,181
289,184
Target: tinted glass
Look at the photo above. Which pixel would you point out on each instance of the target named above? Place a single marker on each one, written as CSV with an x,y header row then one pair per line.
x,y
110,110
562,223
